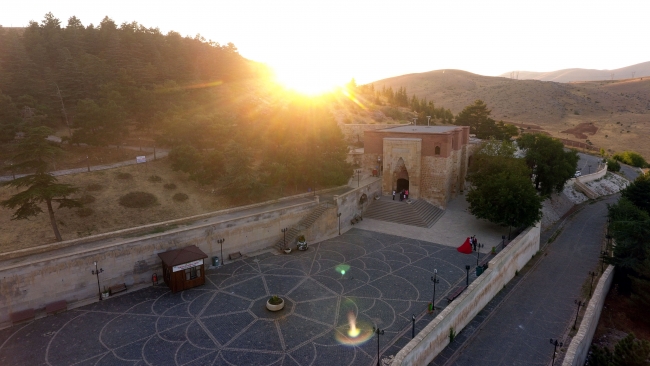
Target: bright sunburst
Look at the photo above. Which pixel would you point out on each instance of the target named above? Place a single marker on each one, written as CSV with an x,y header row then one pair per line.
x,y
310,82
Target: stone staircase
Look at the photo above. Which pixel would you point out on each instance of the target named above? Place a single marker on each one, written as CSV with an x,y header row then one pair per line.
x,y
418,213
303,225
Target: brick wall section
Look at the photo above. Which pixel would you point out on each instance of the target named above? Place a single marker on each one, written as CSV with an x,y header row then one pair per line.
x,y
353,131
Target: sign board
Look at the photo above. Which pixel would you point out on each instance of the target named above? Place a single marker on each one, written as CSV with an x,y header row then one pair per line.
x,y
140,159
184,266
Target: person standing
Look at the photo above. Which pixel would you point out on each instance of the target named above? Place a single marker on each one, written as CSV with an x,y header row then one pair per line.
x,y
393,195
406,194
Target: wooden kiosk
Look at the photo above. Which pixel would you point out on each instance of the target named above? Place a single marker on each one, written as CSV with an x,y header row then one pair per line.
x,y
183,268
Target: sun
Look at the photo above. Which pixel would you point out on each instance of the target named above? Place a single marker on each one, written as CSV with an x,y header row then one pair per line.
x,y
308,81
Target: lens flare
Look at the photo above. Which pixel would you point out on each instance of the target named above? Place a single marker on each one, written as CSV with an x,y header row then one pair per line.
x,y
342,268
353,331
356,333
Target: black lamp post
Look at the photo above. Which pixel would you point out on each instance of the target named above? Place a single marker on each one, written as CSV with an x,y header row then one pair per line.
x,y
220,241
503,241
96,272
413,328
339,216
435,280
579,303
591,284
555,343
379,165
467,269
88,162
603,255
358,178
378,332
587,165
284,241
478,251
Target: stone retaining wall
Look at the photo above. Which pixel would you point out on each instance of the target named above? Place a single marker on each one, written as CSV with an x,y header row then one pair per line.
x,y
65,273
576,355
593,176
435,336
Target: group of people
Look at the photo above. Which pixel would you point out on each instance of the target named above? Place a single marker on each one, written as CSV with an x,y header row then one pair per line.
x,y
403,195
473,242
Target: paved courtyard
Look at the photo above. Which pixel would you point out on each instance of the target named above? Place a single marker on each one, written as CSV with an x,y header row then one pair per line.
x,y
375,279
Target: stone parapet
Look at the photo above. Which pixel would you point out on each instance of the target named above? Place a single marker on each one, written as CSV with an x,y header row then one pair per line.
x,y
578,350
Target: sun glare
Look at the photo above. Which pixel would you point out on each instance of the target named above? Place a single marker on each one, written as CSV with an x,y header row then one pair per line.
x,y
309,82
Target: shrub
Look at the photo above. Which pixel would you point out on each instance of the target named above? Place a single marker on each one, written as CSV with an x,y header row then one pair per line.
x,y
275,300
170,186
138,200
154,179
180,197
631,158
86,199
94,187
124,176
85,212
613,165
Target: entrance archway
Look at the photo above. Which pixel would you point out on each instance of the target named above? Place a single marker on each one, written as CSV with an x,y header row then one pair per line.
x,y
400,176
402,184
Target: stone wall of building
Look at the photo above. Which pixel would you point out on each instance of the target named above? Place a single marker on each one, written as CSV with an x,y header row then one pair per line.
x,y
355,132
409,150
443,178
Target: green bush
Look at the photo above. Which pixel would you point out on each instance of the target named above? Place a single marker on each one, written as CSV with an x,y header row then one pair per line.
x,y
180,197
613,165
124,176
138,200
85,212
154,179
86,199
170,186
631,158
94,187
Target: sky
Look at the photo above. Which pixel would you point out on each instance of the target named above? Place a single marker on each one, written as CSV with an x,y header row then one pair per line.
x,y
321,42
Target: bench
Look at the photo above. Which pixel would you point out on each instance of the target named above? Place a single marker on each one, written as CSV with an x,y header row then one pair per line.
x,y
57,306
455,293
22,316
233,256
356,219
117,289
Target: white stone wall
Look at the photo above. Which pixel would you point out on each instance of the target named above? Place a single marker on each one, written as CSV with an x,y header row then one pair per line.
x,y
578,350
435,336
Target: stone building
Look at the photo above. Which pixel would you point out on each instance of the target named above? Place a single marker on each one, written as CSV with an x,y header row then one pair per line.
x,y
430,161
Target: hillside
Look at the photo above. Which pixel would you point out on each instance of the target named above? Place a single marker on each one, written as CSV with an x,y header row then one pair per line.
x,y
576,74
619,109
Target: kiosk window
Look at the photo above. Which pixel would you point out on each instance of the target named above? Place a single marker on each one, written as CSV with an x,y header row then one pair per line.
x,y
192,273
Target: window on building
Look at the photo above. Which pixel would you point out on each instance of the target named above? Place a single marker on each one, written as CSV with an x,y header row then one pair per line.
x,y
437,150
192,273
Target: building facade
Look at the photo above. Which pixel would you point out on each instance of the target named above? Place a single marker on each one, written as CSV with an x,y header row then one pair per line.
x,y
430,161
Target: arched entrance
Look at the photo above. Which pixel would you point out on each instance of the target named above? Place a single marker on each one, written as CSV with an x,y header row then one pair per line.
x,y
400,176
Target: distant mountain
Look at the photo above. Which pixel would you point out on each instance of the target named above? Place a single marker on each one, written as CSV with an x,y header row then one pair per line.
x,y
620,109
569,75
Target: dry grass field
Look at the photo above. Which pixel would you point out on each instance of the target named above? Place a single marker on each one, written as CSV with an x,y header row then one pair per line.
x,y
618,109
106,189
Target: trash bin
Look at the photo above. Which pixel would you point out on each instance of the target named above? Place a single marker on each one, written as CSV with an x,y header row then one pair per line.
x,y
215,261
479,271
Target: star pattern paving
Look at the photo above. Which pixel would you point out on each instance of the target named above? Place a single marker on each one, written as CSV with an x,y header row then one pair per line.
x,y
225,322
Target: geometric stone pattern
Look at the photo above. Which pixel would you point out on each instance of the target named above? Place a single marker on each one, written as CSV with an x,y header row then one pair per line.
x,y
225,322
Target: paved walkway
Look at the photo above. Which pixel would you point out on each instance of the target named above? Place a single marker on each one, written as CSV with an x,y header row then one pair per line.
x,y
159,154
539,304
376,279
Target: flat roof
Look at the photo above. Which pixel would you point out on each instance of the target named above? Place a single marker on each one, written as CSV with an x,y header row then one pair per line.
x,y
182,255
421,129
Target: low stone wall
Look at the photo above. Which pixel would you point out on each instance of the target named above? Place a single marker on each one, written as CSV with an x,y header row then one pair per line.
x,y
576,355
593,176
31,282
435,336
348,203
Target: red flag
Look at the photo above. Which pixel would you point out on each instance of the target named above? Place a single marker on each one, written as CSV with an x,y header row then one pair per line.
x,y
466,248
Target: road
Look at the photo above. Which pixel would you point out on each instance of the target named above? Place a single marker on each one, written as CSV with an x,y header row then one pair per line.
x,y
589,163
541,305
